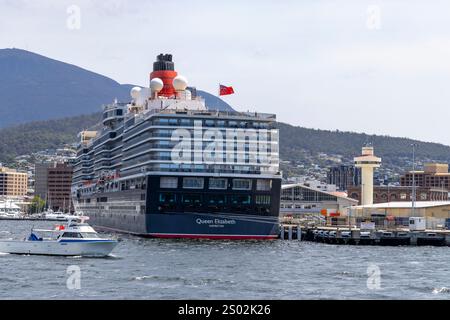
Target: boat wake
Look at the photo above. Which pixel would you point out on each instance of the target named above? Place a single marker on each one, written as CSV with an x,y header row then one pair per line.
x,y
441,290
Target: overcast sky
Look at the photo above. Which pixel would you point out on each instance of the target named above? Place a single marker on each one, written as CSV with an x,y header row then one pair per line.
x,y
367,66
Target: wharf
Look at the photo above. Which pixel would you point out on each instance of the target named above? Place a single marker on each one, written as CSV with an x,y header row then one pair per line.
x,y
356,236
29,219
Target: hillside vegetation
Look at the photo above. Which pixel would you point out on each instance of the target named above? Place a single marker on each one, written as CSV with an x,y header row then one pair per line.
x,y
296,143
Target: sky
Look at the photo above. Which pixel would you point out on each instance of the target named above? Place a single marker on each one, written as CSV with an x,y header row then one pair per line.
x,y
380,67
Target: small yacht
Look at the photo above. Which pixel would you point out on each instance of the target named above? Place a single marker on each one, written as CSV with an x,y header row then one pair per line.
x,y
74,238
10,210
58,215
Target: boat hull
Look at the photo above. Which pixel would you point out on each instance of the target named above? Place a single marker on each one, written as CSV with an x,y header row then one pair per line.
x,y
97,248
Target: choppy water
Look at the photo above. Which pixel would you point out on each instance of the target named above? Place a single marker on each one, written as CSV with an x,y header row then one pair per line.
x,y
175,269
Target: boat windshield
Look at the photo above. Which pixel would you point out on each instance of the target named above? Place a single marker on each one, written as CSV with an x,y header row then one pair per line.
x,y
89,235
71,235
80,235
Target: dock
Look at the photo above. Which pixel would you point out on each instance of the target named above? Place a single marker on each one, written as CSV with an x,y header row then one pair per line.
x,y
29,219
356,236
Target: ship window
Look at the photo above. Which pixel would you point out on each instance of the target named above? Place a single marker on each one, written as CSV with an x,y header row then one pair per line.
x,y
193,183
216,199
240,199
217,184
185,122
191,199
263,199
263,185
162,121
242,184
209,123
168,182
167,198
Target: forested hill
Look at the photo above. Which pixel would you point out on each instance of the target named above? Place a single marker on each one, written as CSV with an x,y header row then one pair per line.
x,y
295,142
350,143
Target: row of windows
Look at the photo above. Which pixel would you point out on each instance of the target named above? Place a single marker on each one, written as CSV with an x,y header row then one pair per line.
x,y
213,199
303,194
215,183
393,196
210,123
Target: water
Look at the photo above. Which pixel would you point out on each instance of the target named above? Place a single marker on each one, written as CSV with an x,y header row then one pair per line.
x,y
179,269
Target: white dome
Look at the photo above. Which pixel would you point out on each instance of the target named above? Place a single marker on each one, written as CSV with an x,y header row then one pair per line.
x,y
144,94
156,84
180,83
135,92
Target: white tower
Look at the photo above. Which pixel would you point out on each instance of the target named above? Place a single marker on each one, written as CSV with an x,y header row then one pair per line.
x,y
367,161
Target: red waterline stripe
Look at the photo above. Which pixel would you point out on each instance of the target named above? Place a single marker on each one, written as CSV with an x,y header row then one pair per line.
x,y
213,236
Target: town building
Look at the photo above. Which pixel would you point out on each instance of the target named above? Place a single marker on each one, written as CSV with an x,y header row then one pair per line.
x,y
434,175
436,213
53,184
299,199
382,194
344,176
41,179
13,183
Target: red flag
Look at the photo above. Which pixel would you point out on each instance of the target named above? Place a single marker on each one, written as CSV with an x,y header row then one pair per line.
x,y
224,90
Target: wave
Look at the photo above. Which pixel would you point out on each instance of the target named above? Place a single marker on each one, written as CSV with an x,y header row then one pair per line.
x,y
441,290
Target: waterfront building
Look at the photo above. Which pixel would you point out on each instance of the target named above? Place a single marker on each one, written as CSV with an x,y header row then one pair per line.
x,y
434,175
344,176
13,183
53,184
437,213
382,194
300,199
41,179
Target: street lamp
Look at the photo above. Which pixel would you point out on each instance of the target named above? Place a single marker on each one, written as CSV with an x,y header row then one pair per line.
x,y
414,145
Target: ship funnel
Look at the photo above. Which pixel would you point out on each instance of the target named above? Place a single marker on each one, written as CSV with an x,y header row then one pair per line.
x,y
164,69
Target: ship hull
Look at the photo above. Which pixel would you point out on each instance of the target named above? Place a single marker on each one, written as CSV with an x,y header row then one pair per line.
x,y
193,226
211,226
139,211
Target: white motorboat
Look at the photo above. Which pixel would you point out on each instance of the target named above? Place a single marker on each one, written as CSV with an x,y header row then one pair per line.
x,y
9,209
58,215
75,238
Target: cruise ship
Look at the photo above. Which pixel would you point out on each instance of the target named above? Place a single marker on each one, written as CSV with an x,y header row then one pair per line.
x,y
166,165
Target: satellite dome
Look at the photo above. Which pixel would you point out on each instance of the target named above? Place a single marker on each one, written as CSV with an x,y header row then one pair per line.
x,y
180,83
156,85
135,92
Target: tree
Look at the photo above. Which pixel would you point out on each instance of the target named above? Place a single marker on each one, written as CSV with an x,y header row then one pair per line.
x,y
37,205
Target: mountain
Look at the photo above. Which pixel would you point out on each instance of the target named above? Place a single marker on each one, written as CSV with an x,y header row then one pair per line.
x,y
34,87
